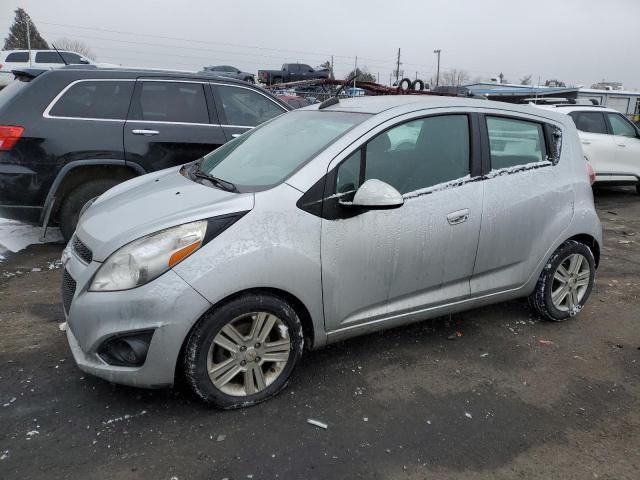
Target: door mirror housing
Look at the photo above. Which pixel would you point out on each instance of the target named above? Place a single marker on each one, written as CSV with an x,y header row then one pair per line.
x,y
376,194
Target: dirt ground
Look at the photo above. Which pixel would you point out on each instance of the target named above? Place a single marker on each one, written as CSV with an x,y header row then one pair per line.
x,y
513,397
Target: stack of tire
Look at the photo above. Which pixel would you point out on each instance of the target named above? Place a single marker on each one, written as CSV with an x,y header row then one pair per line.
x,y
406,84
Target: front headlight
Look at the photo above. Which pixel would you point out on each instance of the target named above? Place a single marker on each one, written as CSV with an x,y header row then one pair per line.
x,y
145,259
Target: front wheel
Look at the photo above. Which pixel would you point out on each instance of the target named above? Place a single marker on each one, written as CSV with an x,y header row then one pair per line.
x,y
565,283
244,351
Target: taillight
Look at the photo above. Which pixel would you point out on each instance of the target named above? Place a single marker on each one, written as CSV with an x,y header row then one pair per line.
x,y
9,136
591,172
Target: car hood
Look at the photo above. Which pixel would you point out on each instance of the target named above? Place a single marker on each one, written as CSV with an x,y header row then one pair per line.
x,y
149,204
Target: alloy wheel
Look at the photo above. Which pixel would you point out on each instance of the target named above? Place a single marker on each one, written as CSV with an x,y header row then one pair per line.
x,y
570,282
248,354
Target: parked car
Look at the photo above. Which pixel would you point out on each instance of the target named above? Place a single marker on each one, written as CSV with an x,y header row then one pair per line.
x,y
294,101
231,72
610,142
68,135
313,228
291,72
45,59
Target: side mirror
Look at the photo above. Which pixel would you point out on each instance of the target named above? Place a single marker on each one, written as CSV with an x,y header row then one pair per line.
x,y
376,194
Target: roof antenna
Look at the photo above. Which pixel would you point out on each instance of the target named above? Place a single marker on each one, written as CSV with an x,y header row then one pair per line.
x,y
63,60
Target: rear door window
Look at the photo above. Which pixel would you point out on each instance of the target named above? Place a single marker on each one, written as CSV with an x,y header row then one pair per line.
x,y
55,57
515,142
95,100
178,102
17,57
245,107
591,122
48,57
621,126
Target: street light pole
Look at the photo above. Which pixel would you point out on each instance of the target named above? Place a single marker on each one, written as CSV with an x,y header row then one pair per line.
x,y
437,52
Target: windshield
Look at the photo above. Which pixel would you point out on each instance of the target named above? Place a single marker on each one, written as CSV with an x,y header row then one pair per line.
x,y
268,154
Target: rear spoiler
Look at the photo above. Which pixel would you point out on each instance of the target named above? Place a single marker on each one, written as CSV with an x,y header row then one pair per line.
x,y
27,74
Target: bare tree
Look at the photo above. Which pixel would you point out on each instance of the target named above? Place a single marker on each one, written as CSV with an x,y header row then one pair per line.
x,y
454,78
526,80
75,46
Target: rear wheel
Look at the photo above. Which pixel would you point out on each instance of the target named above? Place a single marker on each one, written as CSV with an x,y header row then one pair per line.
x,y
565,283
76,199
243,352
249,80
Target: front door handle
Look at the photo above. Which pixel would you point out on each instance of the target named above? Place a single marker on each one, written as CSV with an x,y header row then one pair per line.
x,y
146,133
586,142
235,135
458,217
621,145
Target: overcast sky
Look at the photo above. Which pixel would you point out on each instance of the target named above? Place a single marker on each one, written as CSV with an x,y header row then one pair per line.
x,y
576,41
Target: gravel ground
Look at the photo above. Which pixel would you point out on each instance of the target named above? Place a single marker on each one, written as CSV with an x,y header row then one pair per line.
x,y
512,397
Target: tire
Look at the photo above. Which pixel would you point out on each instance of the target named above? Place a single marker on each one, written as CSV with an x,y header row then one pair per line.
x,y
76,199
417,85
638,188
237,383
577,287
405,84
249,80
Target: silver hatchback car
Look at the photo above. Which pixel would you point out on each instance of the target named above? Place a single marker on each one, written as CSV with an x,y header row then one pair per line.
x,y
326,223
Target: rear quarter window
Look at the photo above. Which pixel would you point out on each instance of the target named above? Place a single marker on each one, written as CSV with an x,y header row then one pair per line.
x,y
17,57
92,99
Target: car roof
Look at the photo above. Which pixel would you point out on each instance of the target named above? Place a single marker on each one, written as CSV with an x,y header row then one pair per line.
x,y
406,103
576,108
95,71
21,50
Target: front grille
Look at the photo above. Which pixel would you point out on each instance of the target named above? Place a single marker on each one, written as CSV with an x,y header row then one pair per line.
x,y
84,252
68,290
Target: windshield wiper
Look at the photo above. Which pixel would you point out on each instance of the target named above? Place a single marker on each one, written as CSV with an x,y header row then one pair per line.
x,y
218,182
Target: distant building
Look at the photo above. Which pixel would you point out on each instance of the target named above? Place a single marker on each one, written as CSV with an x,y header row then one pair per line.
x,y
626,102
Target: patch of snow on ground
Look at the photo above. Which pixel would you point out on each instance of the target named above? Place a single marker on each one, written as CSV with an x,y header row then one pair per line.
x,y
15,236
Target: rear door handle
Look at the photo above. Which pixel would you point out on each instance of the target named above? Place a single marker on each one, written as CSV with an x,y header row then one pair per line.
x,y
235,135
621,145
147,133
586,142
458,217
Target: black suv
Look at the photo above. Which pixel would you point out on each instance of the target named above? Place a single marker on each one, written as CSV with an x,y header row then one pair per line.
x,y
68,135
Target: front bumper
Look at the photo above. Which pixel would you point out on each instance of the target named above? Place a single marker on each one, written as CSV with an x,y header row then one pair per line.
x,y
168,306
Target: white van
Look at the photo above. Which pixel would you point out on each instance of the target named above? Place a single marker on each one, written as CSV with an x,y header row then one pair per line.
x,y
18,59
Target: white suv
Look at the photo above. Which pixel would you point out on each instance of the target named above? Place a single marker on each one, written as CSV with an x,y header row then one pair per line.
x,y
18,59
610,142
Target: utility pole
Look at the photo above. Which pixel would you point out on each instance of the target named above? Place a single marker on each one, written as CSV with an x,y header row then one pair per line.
x,y
355,75
332,74
398,67
29,40
437,52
